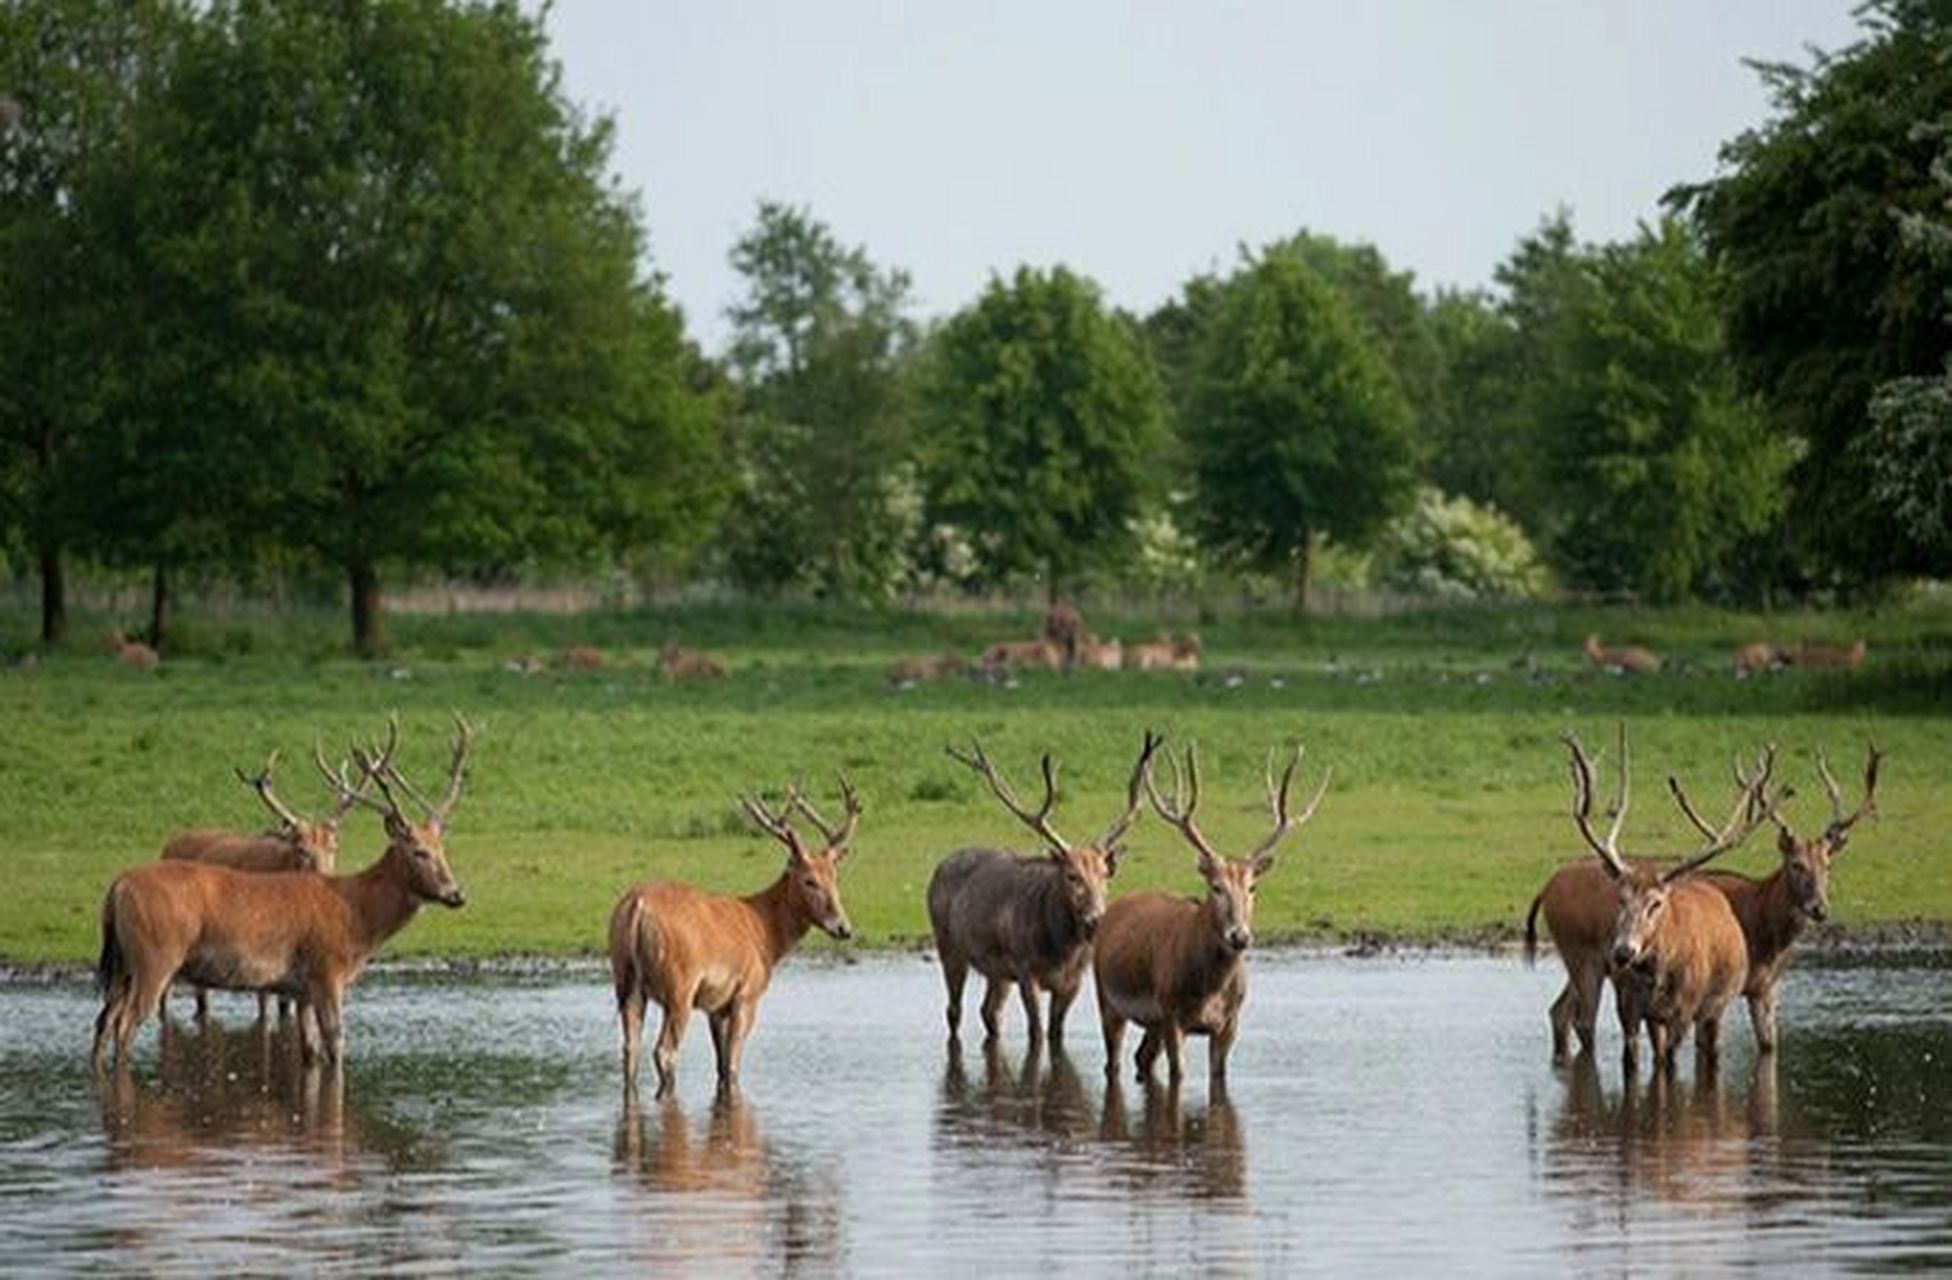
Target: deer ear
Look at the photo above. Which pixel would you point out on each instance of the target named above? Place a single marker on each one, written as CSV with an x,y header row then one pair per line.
x,y
1262,865
396,825
1113,852
1785,844
1054,856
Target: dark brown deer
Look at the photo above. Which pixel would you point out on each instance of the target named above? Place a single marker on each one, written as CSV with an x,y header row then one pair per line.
x,y
1175,965
1026,921
1677,955
294,933
688,949
296,844
1774,910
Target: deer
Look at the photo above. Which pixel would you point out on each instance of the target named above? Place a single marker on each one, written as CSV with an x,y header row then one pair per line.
x,y
1627,660
296,844
1024,653
292,932
1757,658
582,657
1825,656
1168,653
1677,955
1775,909
905,672
1100,655
132,653
679,663
1176,966
1026,921
689,949
1064,627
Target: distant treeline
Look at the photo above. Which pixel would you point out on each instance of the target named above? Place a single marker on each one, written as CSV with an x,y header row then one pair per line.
x,y
349,287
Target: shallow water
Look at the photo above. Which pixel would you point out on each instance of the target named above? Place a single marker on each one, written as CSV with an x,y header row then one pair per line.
x,y
1382,1114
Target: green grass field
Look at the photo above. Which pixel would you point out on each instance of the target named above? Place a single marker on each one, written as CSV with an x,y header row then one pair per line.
x,y
1448,807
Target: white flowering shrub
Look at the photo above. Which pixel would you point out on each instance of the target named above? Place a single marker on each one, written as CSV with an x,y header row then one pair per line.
x,y
1456,549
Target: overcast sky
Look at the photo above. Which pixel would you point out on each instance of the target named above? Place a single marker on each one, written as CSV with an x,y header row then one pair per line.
x,y
1142,143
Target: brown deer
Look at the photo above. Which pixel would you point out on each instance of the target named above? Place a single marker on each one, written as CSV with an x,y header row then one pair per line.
x,y
294,933
1826,656
1677,955
911,671
1101,655
1026,921
1175,965
132,653
1064,627
1755,659
581,657
1774,910
1024,653
679,663
1168,653
688,949
297,844
1627,660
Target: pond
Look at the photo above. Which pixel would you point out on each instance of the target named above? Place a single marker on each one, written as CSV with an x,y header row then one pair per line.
x,y
1382,1114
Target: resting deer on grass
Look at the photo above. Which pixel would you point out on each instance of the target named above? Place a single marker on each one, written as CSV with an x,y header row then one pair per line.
x,y
1176,965
1626,660
133,653
1676,953
297,844
1826,656
688,949
295,933
1026,921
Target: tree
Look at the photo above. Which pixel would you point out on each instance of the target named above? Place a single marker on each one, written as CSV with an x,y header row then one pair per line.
x,y
819,348
1297,427
1825,299
1658,462
1041,410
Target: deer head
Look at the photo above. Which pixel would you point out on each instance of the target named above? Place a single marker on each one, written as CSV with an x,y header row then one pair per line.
x,y
317,843
1230,882
1085,868
813,876
1806,861
420,847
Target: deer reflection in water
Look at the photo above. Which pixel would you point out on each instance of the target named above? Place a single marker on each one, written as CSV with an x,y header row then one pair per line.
x,y
1699,1145
732,1202
1046,1095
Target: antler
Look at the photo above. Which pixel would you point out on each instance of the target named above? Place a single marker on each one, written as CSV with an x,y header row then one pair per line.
x,y
1582,802
775,824
1134,791
386,771
1186,798
851,819
262,785
1839,824
1753,807
376,768
1277,801
346,796
1040,821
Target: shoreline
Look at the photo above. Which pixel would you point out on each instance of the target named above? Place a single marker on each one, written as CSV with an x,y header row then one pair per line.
x,y
1898,944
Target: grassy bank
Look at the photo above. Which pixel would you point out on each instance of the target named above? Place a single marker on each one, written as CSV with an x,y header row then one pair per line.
x,y
1448,806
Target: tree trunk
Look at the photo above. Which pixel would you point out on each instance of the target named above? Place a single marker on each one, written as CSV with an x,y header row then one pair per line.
x,y
368,624
54,596
160,605
1304,566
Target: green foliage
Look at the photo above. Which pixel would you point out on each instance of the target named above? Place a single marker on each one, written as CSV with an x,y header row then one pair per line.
x,y
1455,549
1825,299
1042,409
1478,443
1296,427
1659,463
819,349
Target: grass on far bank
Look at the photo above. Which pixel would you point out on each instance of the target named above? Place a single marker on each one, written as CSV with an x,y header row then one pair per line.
x,y
1449,803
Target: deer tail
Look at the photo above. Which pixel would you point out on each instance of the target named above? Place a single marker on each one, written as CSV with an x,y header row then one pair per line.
x,y
634,947
111,966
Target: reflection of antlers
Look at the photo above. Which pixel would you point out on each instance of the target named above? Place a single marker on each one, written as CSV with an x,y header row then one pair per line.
x,y
1040,821
1839,824
775,824
1753,807
851,819
1582,802
1134,792
262,785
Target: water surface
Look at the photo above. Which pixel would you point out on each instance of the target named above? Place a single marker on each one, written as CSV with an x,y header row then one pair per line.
x,y
1382,1115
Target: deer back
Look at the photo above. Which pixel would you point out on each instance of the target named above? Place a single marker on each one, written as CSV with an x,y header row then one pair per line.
x,y
988,903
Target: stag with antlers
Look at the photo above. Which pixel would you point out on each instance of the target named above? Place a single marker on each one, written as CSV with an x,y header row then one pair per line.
x,y
688,949
1026,921
1175,965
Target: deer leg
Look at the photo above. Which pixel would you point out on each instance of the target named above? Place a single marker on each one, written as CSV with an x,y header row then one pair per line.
x,y
1114,1029
1564,1010
1762,1018
203,1005
109,1021
738,1025
1147,1055
1218,1046
145,999
1708,1038
1174,1040
993,996
955,972
264,1006
1061,998
715,1023
1027,992
327,1007
631,1000
664,1055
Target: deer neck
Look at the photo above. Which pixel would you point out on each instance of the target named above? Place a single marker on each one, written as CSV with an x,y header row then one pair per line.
x,y
783,919
381,900
1773,923
1059,918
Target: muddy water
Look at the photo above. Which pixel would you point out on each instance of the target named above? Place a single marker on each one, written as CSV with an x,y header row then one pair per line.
x,y
1382,1115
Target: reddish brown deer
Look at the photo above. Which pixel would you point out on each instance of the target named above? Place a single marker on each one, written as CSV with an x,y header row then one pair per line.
x,y
294,933
1774,910
1826,656
1627,660
688,949
1758,658
679,663
1024,653
1100,655
1064,627
1677,955
1026,921
1168,653
296,844
1175,965
132,653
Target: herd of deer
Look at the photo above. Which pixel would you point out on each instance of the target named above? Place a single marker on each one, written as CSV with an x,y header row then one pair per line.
x,y
1752,659
267,914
